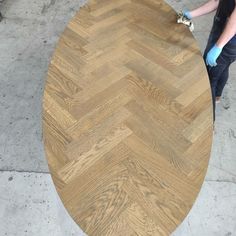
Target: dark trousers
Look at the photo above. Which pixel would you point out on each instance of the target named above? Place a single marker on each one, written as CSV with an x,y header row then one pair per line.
x,y
219,74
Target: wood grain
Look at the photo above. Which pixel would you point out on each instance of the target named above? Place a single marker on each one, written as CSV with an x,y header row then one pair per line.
x,y
127,118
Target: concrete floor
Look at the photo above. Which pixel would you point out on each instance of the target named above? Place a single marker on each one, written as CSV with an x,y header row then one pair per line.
x,y
29,204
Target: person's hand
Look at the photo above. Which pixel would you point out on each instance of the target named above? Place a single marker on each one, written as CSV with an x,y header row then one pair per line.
x,y
212,55
187,14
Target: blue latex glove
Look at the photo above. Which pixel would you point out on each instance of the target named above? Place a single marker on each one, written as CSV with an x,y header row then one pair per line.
x,y
187,14
212,55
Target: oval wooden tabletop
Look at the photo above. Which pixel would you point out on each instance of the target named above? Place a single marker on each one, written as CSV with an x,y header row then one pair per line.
x,y
127,118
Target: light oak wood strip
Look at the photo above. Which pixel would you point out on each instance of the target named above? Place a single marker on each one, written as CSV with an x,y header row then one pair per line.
x,y
120,227
127,118
193,92
99,85
107,163
192,111
198,126
65,68
82,162
99,131
108,7
158,162
62,116
140,222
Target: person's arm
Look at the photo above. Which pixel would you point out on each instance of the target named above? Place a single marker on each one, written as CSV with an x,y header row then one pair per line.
x,y
208,7
228,33
229,30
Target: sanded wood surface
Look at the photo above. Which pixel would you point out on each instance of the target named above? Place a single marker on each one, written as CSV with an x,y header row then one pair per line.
x,y
127,118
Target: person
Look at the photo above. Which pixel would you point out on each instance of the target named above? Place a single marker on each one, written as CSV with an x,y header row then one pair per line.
x,y
220,51
1,17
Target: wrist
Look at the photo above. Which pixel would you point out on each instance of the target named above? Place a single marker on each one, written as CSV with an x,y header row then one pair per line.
x,y
218,47
188,14
220,44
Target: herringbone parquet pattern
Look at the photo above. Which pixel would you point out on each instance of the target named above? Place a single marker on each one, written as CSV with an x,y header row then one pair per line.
x,y
127,118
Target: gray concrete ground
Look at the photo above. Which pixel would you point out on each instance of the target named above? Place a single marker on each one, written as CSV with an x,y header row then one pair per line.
x,y
29,204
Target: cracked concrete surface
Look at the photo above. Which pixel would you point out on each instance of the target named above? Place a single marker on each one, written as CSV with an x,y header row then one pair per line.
x,y
29,204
